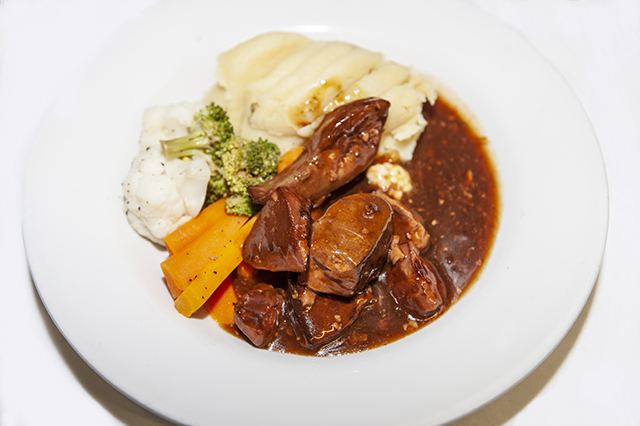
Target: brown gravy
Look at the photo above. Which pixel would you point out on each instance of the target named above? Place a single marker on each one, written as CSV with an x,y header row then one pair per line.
x,y
455,191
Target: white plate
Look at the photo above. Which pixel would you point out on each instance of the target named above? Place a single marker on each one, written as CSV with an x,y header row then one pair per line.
x,y
102,284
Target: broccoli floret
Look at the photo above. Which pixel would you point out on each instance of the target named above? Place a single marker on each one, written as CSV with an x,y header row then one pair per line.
x,y
241,205
216,188
210,132
262,158
235,163
247,163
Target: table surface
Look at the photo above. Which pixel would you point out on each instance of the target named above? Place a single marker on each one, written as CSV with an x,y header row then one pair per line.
x,y
593,376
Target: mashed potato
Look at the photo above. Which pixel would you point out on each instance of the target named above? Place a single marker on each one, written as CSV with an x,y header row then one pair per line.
x,y
278,85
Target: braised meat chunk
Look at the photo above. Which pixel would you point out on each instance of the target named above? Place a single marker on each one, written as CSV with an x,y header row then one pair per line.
x,y
414,282
323,318
343,146
257,314
408,225
279,240
349,245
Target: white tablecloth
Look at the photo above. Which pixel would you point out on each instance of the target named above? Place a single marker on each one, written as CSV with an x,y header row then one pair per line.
x,y
592,378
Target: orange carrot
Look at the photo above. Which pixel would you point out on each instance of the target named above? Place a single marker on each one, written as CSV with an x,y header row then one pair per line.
x,y
221,303
225,260
289,157
190,230
182,267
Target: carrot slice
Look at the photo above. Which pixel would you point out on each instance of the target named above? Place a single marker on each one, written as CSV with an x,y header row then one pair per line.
x,y
223,263
190,230
289,157
182,267
222,302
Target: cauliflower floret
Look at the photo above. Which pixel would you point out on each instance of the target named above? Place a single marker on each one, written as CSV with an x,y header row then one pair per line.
x,y
161,195
391,178
166,122
152,202
191,177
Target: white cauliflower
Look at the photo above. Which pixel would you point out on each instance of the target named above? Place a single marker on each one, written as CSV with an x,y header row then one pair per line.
x,y
391,178
160,195
166,122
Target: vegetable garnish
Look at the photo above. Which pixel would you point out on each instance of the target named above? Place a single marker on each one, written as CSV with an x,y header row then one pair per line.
x,y
221,303
195,227
181,269
246,163
223,263
235,163
210,130
289,157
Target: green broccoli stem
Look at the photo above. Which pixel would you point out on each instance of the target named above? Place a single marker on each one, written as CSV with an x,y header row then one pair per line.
x,y
186,146
210,129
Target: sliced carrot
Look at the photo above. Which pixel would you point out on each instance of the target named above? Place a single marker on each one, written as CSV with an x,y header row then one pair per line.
x,y
190,230
182,267
222,302
225,260
289,157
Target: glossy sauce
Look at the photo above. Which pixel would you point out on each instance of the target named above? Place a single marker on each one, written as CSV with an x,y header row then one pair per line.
x,y
455,191
456,194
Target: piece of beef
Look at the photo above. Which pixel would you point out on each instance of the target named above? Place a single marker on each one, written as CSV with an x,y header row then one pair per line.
x,y
349,245
257,314
323,318
279,240
414,282
343,146
408,225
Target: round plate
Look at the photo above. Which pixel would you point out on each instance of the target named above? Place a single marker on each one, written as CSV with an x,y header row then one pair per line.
x,y
103,287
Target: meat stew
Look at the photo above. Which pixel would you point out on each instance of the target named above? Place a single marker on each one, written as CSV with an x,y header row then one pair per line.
x,y
434,245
